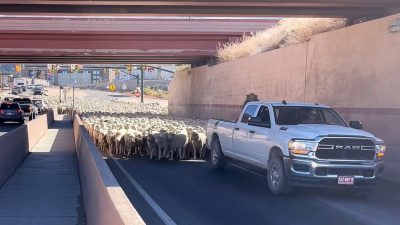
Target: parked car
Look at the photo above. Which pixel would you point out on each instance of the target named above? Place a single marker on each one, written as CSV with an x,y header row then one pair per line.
x,y
27,106
11,111
298,144
41,105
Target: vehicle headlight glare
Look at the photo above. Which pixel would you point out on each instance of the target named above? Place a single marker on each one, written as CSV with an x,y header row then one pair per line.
x,y
380,150
302,147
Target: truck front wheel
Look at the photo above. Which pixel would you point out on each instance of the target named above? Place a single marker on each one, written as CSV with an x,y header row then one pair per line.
x,y
217,156
277,180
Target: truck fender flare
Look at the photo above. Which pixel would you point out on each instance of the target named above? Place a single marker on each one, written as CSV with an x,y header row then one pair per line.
x,y
213,138
275,150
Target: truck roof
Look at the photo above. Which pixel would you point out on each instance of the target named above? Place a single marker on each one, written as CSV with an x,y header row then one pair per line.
x,y
289,104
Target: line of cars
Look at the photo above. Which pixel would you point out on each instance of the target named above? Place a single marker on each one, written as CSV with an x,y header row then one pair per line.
x,y
16,109
36,89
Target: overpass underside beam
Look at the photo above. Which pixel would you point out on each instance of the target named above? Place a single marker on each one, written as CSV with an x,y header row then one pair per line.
x,y
314,8
104,59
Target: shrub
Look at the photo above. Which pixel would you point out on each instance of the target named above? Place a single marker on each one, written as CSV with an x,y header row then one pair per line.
x,y
286,32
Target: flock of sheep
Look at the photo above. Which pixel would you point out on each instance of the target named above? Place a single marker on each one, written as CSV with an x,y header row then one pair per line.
x,y
153,136
125,129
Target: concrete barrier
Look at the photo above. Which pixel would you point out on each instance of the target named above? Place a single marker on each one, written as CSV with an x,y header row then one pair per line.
x,y
105,201
37,128
15,145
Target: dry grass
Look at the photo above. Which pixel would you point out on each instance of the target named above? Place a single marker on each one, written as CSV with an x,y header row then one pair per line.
x,y
286,32
148,91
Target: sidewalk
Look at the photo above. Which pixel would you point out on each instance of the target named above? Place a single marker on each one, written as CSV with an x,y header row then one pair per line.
x,y
45,189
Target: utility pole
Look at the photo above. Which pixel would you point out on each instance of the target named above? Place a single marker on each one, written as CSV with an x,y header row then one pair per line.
x,y
141,84
60,93
73,97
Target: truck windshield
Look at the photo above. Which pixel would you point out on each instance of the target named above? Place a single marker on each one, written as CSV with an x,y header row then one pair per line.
x,y
292,115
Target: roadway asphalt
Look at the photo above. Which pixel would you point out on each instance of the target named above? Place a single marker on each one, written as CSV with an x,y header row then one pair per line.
x,y
8,126
191,192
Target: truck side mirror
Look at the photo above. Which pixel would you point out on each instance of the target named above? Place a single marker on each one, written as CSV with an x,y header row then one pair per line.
x,y
356,125
255,121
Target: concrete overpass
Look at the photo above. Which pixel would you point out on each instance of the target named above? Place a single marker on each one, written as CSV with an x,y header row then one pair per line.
x,y
100,31
55,39
340,8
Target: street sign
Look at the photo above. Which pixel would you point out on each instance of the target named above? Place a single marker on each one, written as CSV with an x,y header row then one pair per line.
x,y
112,87
124,87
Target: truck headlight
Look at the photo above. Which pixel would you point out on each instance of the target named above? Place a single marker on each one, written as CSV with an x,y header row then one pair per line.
x,y
380,150
299,147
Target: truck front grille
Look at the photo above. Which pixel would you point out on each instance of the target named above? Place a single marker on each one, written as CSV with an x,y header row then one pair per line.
x,y
346,149
323,171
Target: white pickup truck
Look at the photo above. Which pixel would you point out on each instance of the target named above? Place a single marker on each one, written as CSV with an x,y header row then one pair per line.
x,y
298,144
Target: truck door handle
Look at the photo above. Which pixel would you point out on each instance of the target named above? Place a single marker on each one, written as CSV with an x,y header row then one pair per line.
x,y
236,128
252,132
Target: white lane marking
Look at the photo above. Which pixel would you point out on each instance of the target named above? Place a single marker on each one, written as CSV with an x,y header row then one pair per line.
x,y
157,209
193,160
247,170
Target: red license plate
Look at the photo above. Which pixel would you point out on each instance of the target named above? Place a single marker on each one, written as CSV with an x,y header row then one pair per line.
x,y
346,180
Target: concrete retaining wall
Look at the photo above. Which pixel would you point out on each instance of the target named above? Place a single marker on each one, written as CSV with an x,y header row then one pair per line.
x,y
105,201
355,69
16,144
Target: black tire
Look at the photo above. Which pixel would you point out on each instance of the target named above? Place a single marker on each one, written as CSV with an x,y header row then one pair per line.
x,y
217,156
30,117
1,122
22,121
277,180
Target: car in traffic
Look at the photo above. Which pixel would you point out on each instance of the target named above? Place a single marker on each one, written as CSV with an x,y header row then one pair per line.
x,y
298,144
8,99
40,105
28,107
30,89
16,90
38,90
11,111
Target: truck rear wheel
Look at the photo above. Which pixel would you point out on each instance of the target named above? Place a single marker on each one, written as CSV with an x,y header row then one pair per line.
x,y
276,176
217,156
